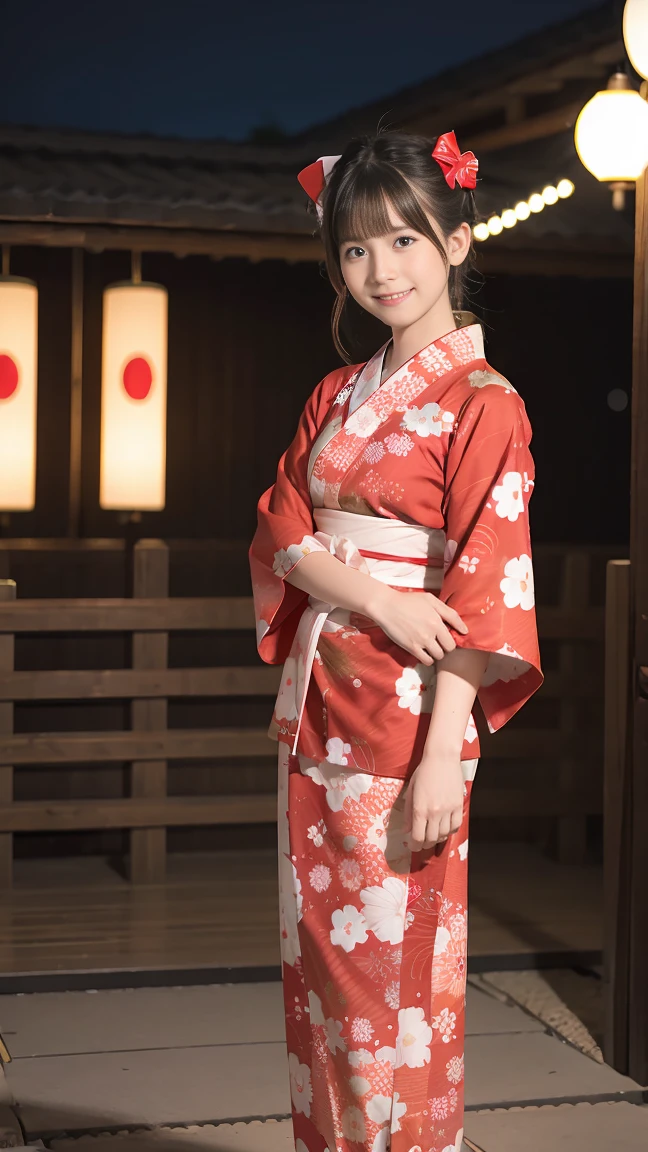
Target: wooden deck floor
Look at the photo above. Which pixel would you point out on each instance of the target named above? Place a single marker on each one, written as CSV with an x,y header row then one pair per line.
x,y
220,911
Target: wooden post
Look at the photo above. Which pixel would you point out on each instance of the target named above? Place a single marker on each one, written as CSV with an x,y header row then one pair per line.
x,y
76,395
617,815
7,593
572,830
638,1027
150,650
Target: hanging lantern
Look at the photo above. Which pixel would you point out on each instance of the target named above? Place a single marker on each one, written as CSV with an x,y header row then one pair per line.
x,y
635,34
611,136
18,392
133,397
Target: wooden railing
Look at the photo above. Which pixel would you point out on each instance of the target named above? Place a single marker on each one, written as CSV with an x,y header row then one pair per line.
x,y
575,746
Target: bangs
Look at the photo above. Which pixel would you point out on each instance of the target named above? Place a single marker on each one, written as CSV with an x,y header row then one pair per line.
x,y
362,206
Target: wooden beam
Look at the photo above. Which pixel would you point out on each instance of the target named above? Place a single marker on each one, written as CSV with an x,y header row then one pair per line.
x,y
617,816
150,650
7,596
76,395
522,131
219,245
94,748
126,683
176,811
178,613
259,808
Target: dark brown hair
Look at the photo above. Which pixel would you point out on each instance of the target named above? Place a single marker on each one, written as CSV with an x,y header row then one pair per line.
x,y
391,169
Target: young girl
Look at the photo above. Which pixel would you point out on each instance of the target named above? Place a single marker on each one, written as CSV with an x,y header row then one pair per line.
x,y
392,578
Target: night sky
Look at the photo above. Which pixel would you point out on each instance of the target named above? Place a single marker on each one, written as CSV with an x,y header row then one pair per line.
x,y
201,68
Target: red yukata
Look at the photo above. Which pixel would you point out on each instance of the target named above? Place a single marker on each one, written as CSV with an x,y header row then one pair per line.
x,y
423,481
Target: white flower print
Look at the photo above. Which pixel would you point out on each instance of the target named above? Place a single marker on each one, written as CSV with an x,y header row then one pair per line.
x,y
387,1055
468,563
413,1039
340,786
439,1108
337,752
286,558
300,1084
261,629
517,584
316,833
508,497
398,1109
315,1008
282,562
455,1069
381,1140
363,422
471,730
505,664
399,445
320,877
300,1146
350,874
392,995
413,688
333,1038
441,940
379,1108
384,909
449,553
349,927
361,1057
429,420
463,850
374,452
445,1024
299,899
377,832
353,1125
359,1085
361,1030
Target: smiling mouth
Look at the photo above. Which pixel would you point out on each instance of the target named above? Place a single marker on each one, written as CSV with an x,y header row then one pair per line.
x,y
394,297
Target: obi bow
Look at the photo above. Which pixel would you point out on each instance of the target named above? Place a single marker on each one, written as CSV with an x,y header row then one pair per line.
x,y
458,167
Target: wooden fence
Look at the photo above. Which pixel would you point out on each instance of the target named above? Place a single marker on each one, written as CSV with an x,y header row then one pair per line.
x,y
570,746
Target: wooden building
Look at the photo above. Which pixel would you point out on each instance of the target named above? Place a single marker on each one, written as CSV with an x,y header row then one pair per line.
x,y
224,227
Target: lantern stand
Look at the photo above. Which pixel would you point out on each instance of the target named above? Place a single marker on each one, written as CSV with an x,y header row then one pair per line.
x,y
614,147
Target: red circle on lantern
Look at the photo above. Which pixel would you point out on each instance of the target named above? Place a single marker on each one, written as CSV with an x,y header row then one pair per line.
x,y
8,376
137,378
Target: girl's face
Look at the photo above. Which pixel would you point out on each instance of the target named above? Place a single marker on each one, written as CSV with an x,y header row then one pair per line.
x,y
401,277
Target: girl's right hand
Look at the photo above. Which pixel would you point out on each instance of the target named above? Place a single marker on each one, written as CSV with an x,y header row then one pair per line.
x,y
417,622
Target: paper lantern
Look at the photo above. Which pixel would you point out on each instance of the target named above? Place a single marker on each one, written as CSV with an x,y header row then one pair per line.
x,y
133,397
18,393
635,34
611,133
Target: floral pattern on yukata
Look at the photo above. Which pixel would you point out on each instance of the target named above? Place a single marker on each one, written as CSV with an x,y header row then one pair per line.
x,y
374,941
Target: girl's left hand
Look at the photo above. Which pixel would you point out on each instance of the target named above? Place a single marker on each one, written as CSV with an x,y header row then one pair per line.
x,y
434,800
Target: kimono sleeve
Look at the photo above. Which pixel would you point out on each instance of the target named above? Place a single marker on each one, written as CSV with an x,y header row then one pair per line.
x,y
488,575
285,533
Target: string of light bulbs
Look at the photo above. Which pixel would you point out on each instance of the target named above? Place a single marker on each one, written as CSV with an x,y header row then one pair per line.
x,y
523,209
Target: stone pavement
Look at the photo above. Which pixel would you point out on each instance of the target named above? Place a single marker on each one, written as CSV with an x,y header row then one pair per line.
x,y
161,1069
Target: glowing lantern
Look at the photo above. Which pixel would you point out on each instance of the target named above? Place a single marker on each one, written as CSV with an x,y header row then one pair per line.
x,y
635,34
18,393
611,135
133,397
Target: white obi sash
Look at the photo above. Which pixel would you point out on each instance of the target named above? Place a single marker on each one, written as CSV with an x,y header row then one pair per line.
x,y
400,554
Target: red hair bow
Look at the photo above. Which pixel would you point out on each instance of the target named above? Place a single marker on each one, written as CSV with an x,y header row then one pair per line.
x,y
458,167
314,178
